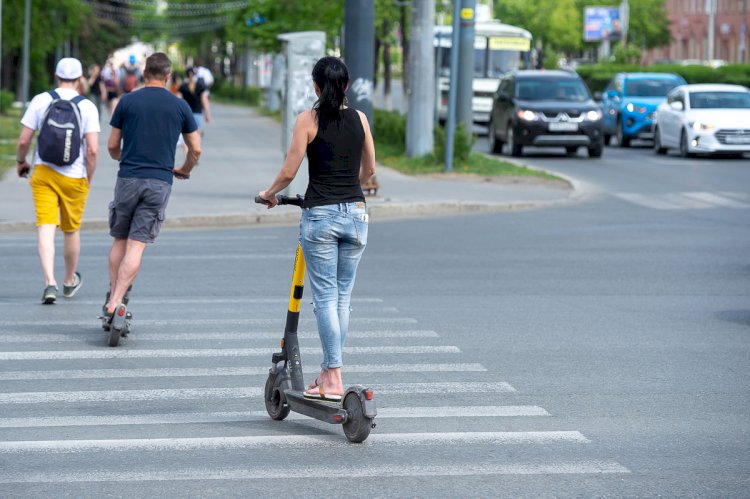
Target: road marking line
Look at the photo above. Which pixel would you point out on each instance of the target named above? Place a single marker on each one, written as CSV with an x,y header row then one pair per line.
x,y
289,441
223,371
209,352
711,198
686,202
247,416
448,388
224,256
191,301
179,336
370,471
648,201
208,322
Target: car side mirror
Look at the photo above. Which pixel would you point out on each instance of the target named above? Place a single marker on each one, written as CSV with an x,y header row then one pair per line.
x,y
613,94
598,96
676,105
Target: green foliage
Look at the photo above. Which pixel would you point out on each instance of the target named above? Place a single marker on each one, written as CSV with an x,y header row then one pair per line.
x,y
389,127
248,95
598,76
285,16
6,101
462,143
627,54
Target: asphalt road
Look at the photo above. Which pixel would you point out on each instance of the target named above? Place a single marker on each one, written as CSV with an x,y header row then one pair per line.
x,y
593,350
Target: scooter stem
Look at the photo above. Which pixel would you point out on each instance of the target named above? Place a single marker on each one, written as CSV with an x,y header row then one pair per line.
x,y
291,341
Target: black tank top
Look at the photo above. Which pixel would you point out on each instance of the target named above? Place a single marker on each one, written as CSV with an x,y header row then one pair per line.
x,y
334,158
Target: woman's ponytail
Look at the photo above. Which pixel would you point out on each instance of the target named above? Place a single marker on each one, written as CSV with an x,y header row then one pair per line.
x,y
332,77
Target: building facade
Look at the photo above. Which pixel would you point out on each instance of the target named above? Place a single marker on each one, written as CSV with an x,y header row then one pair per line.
x,y
690,26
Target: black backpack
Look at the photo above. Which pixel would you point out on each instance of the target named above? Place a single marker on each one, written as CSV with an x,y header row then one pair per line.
x,y
60,136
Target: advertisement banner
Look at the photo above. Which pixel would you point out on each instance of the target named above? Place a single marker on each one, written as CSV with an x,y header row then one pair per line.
x,y
601,23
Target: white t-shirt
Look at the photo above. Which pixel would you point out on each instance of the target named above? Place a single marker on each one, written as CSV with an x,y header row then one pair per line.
x,y
205,73
34,114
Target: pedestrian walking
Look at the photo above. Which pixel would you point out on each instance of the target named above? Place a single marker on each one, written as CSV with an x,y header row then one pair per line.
x,y
195,94
334,224
64,163
145,128
109,75
96,86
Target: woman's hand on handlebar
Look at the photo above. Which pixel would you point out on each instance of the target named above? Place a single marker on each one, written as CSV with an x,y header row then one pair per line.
x,y
269,201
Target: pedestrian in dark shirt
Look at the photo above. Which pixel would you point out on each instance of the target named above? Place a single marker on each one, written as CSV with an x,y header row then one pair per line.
x,y
145,128
195,94
334,224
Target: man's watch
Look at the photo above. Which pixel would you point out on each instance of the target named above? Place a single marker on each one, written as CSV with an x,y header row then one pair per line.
x,y
20,161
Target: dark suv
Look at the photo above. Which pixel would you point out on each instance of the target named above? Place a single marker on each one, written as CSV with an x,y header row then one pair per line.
x,y
545,108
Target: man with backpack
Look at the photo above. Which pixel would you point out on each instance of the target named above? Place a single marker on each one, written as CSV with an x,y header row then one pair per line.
x,y
64,164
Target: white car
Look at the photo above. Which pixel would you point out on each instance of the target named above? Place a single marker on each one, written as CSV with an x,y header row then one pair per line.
x,y
704,118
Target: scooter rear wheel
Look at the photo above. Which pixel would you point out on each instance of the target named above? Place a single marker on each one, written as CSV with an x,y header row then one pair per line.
x,y
275,405
114,337
357,426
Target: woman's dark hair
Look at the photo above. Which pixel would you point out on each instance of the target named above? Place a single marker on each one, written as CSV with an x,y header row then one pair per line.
x,y
332,77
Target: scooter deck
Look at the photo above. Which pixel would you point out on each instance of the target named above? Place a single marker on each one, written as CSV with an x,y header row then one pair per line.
x,y
323,410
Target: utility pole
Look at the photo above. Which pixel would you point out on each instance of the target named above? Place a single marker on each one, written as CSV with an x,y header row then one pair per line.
x,y
743,34
711,29
359,53
25,62
464,111
420,118
450,126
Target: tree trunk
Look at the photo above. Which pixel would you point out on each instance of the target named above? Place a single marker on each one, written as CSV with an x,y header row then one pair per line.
x,y
404,50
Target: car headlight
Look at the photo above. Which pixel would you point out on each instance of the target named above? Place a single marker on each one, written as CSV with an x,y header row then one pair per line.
x,y
631,107
527,115
594,115
697,126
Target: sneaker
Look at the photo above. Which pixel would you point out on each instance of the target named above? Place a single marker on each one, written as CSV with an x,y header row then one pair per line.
x,y
50,295
69,291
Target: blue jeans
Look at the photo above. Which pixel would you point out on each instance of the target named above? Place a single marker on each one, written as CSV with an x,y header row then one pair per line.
x,y
333,238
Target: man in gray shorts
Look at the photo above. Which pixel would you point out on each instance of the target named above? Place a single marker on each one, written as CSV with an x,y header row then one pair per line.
x,y
145,127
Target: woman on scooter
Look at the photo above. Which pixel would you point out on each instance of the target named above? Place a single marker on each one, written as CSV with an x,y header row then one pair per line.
x,y
333,228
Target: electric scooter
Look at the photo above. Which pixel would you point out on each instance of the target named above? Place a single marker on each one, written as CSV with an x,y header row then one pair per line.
x,y
285,387
117,324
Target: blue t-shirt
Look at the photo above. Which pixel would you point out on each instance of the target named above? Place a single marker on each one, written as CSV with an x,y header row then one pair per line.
x,y
151,120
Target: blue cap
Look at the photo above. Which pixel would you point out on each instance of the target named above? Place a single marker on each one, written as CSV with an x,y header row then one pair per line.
x,y
132,58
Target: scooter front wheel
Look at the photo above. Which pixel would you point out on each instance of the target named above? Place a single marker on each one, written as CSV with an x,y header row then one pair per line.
x,y
275,405
357,426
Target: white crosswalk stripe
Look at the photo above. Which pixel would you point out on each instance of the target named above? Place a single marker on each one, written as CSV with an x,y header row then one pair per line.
x,y
149,406
685,200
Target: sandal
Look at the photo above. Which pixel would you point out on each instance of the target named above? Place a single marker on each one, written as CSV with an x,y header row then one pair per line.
x,y
321,395
314,384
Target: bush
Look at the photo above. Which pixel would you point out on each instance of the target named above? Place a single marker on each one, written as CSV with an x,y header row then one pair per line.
x,y
597,77
462,143
6,101
245,94
389,127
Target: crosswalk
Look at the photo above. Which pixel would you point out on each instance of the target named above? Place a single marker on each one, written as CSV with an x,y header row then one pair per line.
x,y
184,403
688,200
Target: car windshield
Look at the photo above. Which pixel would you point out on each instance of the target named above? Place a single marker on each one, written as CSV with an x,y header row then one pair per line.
x,y
720,100
649,88
566,89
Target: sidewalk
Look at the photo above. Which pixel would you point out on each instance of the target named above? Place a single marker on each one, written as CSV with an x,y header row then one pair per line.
x,y
241,156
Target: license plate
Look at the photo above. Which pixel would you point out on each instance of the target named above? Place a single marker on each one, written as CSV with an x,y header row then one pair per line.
x,y
732,139
563,127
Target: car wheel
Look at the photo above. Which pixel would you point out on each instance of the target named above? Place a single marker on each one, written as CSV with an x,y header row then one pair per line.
x,y
596,151
684,149
608,139
658,148
496,146
623,140
513,148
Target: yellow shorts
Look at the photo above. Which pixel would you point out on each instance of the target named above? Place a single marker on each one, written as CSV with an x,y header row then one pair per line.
x,y
58,200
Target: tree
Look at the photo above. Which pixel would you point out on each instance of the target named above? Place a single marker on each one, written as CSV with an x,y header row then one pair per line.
x,y
556,23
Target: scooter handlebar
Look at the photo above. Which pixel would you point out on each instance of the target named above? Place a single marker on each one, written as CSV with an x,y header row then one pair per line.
x,y
291,200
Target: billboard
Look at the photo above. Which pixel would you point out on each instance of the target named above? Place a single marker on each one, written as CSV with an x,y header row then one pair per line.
x,y
601,23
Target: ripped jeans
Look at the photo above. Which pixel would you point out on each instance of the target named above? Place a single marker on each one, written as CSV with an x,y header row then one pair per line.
x,y
333,238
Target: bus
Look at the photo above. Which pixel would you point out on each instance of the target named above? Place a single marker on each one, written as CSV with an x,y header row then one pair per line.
x,y
498,49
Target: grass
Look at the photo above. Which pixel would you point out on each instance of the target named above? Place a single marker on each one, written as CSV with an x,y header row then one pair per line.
x,y
476,164
10,128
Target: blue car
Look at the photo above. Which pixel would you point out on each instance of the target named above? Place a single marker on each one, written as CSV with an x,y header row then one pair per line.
x,y
629,103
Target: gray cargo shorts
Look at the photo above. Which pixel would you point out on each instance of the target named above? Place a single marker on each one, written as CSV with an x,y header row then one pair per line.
x,y
137,211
